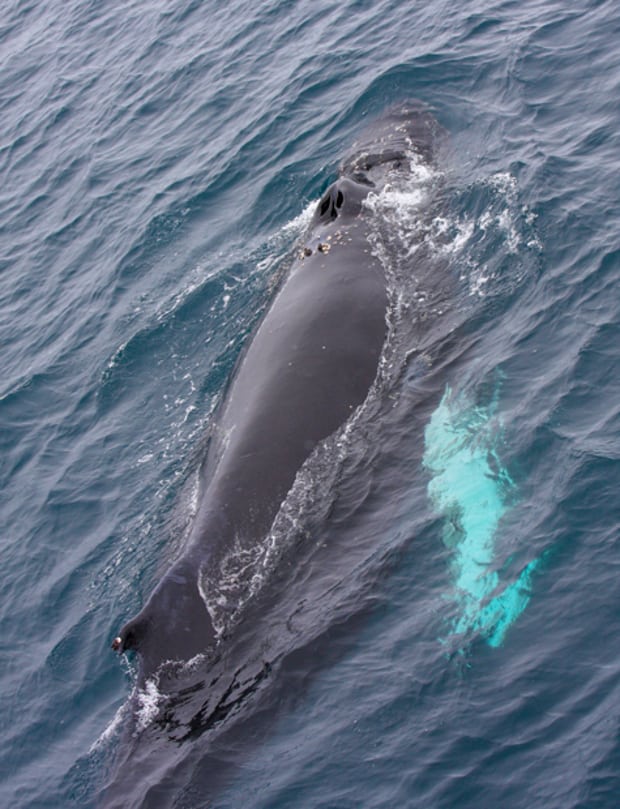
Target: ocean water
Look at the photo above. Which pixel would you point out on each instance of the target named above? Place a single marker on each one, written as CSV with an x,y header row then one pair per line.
x,y
437,624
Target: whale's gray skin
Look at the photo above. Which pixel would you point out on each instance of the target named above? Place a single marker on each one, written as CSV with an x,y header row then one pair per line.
x,y
310,364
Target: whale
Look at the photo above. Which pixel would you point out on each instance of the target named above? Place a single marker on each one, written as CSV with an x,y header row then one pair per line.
x,y
306,370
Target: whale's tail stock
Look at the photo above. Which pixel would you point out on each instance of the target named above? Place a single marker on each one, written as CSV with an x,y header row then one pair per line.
x,y
174,625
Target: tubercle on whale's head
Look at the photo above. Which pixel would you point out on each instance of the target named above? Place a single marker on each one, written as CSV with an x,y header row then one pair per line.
x,y
387,143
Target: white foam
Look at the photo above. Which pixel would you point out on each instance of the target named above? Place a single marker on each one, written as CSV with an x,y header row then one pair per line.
x,y
148,700
111,730
300,222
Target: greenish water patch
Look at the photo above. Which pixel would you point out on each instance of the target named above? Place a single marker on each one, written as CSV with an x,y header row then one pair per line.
x,y
472,491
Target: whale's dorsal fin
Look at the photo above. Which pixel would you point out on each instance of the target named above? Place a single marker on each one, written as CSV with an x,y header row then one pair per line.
x,y
174,624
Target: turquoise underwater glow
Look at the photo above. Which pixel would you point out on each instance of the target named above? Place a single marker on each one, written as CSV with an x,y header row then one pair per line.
x,y
472,490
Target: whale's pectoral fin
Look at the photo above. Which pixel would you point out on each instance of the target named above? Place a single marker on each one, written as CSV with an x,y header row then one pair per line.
x,y
174,625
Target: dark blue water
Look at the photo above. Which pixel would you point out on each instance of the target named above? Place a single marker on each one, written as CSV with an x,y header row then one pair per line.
x,y
444,633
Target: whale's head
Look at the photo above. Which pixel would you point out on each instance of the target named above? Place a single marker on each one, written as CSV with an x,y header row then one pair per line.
x,y
404,132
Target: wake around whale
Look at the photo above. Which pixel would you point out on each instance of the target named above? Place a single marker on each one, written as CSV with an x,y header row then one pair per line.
x,y
308,367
